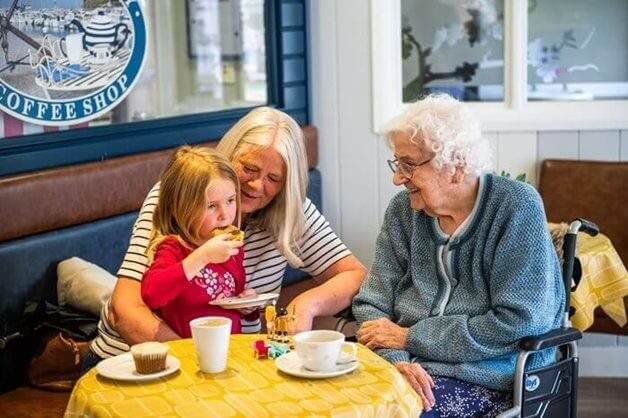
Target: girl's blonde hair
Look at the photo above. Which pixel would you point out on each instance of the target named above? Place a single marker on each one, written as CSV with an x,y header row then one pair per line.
x,y
182,199
262,128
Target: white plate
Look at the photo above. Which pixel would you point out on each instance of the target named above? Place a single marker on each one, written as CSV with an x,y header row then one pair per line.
x,y
247,302
291,364
122,367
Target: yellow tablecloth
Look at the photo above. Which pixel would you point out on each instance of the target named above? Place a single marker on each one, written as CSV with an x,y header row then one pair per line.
x,y
249,388
604,282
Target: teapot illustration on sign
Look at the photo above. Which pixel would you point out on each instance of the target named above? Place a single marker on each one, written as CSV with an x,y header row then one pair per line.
x,y
102,38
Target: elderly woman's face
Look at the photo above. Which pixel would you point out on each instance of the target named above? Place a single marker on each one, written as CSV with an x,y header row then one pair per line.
x,y
425,183
262,174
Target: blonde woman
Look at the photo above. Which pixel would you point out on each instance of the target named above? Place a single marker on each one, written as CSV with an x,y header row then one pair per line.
x,y
281,226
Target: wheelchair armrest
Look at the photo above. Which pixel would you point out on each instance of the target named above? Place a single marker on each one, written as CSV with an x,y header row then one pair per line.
x,y
346,313
551,339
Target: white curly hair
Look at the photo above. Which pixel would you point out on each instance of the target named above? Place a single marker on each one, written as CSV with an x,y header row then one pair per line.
x,y
445,126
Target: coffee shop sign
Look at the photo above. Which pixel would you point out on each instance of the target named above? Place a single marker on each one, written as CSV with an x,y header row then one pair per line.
x,y
68,65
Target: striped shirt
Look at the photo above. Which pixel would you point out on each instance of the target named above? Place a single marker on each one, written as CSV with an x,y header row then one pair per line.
x,y
264,265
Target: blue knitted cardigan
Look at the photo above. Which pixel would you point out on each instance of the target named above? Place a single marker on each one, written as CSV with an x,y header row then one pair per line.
x,y
506,285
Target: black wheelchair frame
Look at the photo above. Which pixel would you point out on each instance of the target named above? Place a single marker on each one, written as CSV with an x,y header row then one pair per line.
x,y
552,391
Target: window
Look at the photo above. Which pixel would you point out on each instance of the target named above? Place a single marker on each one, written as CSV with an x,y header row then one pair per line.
x,y
208,62
577,50
452,48
522,64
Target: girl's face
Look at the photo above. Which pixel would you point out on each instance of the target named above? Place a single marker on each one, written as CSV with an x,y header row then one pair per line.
x,y
262,174
220,209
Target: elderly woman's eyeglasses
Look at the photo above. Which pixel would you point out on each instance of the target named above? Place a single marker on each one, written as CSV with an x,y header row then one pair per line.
x,y
404,167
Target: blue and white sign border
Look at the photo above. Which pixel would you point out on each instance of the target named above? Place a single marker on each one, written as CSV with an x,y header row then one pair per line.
x,y
85,108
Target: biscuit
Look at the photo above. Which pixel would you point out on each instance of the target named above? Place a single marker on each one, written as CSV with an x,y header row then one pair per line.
x,y
234,233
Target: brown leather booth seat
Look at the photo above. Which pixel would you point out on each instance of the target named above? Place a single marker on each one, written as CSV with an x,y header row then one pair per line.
x,y
596,190
51,199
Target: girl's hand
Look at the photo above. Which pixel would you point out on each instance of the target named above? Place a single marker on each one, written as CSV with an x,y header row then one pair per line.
x,y
248,293
220,248
382,333
420,381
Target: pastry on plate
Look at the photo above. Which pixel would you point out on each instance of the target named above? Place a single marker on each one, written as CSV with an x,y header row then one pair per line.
x,y
149,357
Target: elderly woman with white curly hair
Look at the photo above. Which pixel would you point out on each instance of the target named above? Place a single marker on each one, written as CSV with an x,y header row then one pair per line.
x,y
464,266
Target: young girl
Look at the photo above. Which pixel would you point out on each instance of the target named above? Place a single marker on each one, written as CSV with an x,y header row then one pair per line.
x,y
190,267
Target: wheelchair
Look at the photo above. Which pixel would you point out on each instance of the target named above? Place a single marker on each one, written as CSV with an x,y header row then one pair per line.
x,y
551,391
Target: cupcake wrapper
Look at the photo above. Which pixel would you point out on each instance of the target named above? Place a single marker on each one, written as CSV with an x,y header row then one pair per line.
x,y
150,363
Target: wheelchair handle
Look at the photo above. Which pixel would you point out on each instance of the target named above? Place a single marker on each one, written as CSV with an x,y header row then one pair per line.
x,y
584,225
569,251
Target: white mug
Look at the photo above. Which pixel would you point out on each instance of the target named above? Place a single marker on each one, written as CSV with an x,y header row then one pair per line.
x,y
322,350
211,339
73,47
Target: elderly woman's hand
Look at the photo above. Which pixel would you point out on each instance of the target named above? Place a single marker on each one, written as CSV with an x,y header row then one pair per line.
x,y
420,381
382,333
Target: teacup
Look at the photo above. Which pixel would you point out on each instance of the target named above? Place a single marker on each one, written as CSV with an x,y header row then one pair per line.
x,y
211,339
322,350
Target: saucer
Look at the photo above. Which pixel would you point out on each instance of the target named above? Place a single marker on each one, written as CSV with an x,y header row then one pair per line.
x,y
122,367
291,364
246,302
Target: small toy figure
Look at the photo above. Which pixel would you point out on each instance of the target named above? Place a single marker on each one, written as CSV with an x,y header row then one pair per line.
x,y
282,325
260,349
270,314
277,349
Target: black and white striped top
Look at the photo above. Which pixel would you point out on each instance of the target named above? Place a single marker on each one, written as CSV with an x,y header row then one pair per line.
x,y
263,263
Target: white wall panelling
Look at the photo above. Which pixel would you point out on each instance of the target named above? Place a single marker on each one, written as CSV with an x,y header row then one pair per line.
x,y
558,144
324,102
607,361
517,154
623,144
359,165
492,138
599,145
386,188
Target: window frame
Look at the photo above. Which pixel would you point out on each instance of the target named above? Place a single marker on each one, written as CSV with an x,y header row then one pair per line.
x,y
287,84
515,113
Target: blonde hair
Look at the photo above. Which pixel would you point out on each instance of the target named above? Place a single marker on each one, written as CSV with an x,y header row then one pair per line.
x,y
263,128
446,127
182,199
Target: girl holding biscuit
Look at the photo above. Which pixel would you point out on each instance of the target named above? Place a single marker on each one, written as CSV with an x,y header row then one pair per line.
x,y
195,251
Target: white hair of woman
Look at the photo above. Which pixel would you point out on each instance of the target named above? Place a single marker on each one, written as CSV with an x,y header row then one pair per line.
x,y
446,127
266,127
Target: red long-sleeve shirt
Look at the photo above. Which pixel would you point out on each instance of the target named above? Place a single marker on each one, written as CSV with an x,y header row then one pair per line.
x,y
179,300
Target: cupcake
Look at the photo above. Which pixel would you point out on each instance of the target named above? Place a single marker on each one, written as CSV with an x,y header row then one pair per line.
x,y
149,357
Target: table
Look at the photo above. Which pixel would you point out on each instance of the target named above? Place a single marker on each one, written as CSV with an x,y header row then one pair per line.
x,y
249,387
604,282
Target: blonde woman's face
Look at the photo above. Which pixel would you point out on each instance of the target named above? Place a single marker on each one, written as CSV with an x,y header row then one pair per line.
x,y
221,207
262,174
